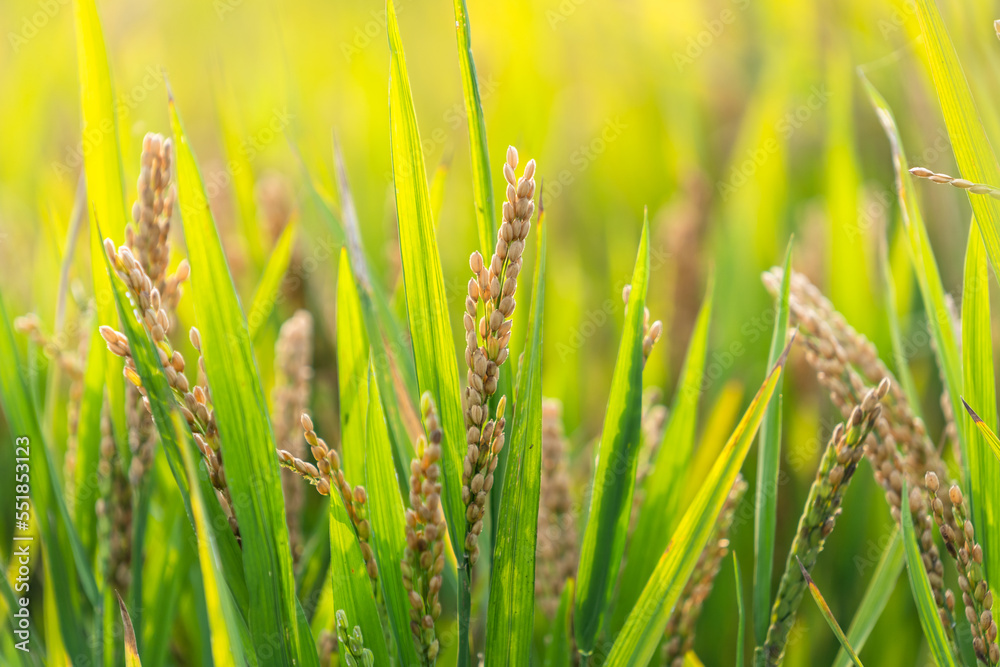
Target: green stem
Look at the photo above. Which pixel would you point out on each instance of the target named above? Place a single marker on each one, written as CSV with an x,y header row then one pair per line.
x,y
464,610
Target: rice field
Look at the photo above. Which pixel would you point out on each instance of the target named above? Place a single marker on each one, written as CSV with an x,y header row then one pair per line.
x,y
524,333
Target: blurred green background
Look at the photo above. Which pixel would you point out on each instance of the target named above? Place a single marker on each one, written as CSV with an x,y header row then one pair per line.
x,y
737,123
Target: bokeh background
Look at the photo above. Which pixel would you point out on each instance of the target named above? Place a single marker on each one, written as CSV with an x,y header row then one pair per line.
x,y
737,123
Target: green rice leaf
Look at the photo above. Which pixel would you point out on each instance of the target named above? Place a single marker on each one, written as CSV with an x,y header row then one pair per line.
x,y
512,582
244,426
922,593
925,266
62,546
131,650
664,487
352,588
426,302
902,368
824,609
614,479
643,631
102,168
223,620
392,358
738,580
385,507
482,182
973,151
768,464
880,588
269,286
980,388
560,649
352,373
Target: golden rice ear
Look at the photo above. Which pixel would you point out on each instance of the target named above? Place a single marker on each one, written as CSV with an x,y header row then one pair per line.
x,y
897,447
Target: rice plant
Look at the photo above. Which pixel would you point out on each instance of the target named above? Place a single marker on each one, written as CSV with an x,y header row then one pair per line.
x,y
247,423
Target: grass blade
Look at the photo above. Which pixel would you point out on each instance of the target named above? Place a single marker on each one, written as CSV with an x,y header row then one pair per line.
x,y
560,650
105,202
62,546
768,464
386,510
482,182
222,617
880,588
973,152
643,630
663,487
922,593
352,588
269,286
352,372
614,478
925,266
980,388
739,605
426,302
828,615
241,412
512,584
131,651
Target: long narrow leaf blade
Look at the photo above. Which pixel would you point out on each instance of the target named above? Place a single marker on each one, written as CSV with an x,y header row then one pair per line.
x,y
426,302
614,479
131,651
738,580
268,288
768,464
923,595
482,182
643,630
980,388
352,587
665,487
105,205
560,650
512,584
244,426
352,371
222,618
388,522
831,620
